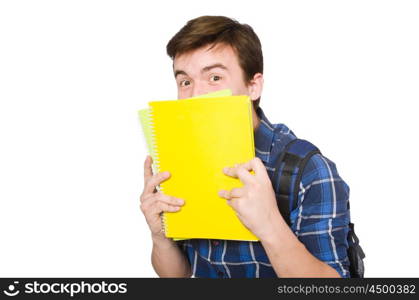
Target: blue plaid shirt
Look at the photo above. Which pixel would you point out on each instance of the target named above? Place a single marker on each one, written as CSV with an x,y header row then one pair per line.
x,y
320,219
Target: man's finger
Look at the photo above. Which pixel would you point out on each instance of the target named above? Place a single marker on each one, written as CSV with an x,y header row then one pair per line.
x,y
240,171
154,181
160,206
169,199
224,194
255,165
234,193
237,193
148,171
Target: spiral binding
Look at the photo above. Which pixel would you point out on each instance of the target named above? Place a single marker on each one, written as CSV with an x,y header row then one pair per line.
x,y
156,163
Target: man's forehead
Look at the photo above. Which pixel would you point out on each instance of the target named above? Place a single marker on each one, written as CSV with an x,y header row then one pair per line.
x,y
206,55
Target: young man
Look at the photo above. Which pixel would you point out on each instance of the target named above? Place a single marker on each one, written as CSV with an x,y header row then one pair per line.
x,y
211,53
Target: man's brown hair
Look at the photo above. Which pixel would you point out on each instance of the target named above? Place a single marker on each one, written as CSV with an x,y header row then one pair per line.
x,y
213,30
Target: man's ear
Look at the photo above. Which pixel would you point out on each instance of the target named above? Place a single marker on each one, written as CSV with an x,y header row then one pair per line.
x,y
255,86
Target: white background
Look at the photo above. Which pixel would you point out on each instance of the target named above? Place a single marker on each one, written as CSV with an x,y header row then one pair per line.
x,y
342,74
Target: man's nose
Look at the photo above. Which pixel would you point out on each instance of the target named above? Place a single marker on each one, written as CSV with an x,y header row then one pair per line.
x,y
198,89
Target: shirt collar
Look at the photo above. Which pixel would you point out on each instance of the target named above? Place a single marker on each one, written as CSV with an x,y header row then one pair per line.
x,y
263,135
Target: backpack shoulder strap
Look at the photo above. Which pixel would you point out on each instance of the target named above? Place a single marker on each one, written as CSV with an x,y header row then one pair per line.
x,y
288,173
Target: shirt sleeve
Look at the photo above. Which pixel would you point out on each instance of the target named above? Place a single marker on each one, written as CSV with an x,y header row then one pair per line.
x,y
321,217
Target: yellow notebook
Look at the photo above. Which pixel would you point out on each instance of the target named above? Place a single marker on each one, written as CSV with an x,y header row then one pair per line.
x,y
194,139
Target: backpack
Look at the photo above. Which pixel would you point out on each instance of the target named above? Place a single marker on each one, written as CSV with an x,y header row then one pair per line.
x,y
293,159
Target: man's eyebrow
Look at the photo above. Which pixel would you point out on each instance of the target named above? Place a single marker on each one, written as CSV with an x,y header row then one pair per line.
x,y
208,68
180,72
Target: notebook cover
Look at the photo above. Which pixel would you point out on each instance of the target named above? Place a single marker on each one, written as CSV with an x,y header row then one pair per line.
x,y
194,139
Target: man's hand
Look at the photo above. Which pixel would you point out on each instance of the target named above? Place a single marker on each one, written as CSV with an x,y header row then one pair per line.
x,y
153,203
255,202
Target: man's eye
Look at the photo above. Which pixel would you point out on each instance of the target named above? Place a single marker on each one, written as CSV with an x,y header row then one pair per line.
x,y
185,83
215,78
